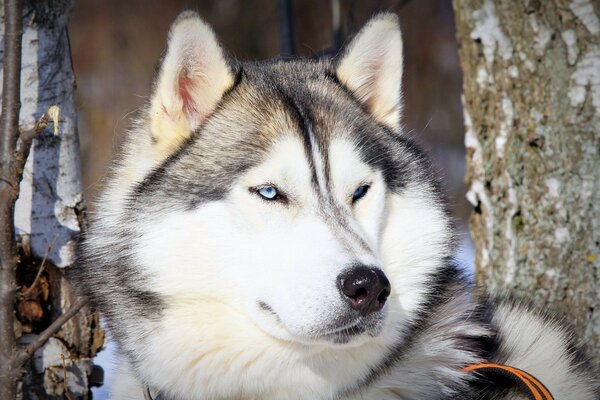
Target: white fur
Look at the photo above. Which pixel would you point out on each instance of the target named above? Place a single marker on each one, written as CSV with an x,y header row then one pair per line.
x,y
125,385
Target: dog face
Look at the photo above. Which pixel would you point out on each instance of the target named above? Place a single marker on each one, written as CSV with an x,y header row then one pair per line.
x,y
295,247
271,204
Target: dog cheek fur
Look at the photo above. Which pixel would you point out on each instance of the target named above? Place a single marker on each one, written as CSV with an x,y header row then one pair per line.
x,y
414,244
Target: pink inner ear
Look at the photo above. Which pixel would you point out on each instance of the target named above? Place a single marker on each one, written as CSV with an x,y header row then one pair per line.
x,y
186,85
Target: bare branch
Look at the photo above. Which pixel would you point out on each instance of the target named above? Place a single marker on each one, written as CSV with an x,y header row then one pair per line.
x,y
9,130
24,354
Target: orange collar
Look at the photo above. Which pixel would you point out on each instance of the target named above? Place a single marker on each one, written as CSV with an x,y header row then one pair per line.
x,y
537,391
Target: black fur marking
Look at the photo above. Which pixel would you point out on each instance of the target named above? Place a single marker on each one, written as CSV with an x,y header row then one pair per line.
x,y
304,126
238,75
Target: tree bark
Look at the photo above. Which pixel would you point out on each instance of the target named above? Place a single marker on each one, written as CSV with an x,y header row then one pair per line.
x,y
9,129
532,116
48,214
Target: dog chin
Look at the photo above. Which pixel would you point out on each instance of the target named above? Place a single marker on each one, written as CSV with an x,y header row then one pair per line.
x,y
350,334
357,334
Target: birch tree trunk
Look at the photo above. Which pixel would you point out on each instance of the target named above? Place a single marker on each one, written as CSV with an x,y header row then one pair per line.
x,y
532,116
49,212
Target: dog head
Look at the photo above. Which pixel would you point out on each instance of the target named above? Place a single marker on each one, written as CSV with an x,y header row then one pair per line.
x,y
274,204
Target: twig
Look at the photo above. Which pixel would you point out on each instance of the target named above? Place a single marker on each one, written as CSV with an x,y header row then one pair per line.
x,y
9,130
65,386
24,354
40,269
26,138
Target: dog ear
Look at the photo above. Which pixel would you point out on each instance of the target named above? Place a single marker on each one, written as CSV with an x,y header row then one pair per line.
x,y
371,67
192,79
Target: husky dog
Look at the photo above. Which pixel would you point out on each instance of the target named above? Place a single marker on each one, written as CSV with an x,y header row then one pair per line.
x,y
269,232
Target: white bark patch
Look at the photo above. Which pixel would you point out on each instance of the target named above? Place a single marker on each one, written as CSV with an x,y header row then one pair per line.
x,y
553,186
562,235
471,141
485,257
505,125
587,74
587,188
513,71
528,64
51,186
477,195
482,76
487,29
584,10
50,355
570,39
542,35
536,115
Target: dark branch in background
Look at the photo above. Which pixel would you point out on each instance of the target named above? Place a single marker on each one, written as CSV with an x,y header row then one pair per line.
x,y
400,4
286,28
9,186
342,22
337,35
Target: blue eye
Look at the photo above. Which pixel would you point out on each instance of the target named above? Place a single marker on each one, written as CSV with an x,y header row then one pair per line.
x,y
268,192
360,192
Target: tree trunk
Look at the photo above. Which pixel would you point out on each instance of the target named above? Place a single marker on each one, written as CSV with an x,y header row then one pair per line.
x,y
49,212
532,116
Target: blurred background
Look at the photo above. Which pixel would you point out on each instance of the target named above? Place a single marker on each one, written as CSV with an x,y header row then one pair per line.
x,y
115,45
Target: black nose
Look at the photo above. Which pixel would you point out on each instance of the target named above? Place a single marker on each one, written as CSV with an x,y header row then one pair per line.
x,y
366,288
